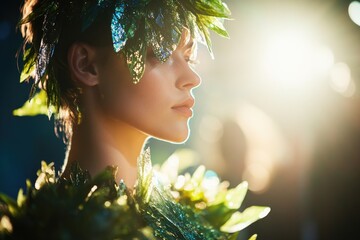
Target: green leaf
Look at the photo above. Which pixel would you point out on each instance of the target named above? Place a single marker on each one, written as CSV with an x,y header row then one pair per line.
x,y
218,215
198,175
241,220
234,236
144,185
46,175
21,197
214,8
29,65
37,105
216,25
235,197
205,35
11,203
232,198
253,237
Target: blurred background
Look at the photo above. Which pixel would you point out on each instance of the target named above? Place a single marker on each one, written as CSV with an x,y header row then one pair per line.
x,y
279,107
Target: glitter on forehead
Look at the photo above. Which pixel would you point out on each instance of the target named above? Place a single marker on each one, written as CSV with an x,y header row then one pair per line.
x,y
137,62
135,53
161,52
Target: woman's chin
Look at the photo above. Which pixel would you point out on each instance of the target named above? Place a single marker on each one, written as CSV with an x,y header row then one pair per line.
x,y
175,138
180,140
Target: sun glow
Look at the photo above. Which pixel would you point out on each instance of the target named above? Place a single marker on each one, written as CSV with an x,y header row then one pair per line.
x,y
293,58
285,53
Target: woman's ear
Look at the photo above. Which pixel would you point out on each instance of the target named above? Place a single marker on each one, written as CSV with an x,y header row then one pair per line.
x,y
82,64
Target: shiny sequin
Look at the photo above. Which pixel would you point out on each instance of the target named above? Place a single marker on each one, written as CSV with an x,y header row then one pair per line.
x,y
117,31
45,53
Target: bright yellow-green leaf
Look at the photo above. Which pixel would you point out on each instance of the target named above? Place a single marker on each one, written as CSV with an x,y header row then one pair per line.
x,y
235,196
21,198
145,174
241,220
12,205
216,25
24,76
5,224
29,65
253,237
232,198
37,105
198,175
28,184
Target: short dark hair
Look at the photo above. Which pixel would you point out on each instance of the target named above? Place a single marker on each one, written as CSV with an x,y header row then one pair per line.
x,y
61,90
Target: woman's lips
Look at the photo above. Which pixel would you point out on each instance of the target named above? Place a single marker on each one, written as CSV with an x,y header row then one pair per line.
x,y
184,110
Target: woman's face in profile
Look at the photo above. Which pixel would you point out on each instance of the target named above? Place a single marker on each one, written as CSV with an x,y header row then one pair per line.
x,y
160,105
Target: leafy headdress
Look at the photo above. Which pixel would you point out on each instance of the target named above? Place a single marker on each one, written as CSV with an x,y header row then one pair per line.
x,y
135,25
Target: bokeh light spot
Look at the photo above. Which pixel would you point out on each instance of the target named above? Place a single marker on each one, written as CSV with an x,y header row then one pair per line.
x,y
211,129
354,12
341,80
258,177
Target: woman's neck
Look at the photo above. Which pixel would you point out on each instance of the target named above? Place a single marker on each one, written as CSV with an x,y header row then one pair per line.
x,y
98,142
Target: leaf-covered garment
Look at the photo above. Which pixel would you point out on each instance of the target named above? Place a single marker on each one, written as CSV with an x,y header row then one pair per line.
x,y
159,207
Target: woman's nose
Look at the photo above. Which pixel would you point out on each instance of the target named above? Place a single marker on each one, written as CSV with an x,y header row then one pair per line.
x,y
188,79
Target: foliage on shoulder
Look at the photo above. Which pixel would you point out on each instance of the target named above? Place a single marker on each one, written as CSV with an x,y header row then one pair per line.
x,y
82,207
209,197
79,207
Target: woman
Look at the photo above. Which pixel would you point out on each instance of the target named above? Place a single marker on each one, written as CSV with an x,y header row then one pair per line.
x,y
116,73
118,116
